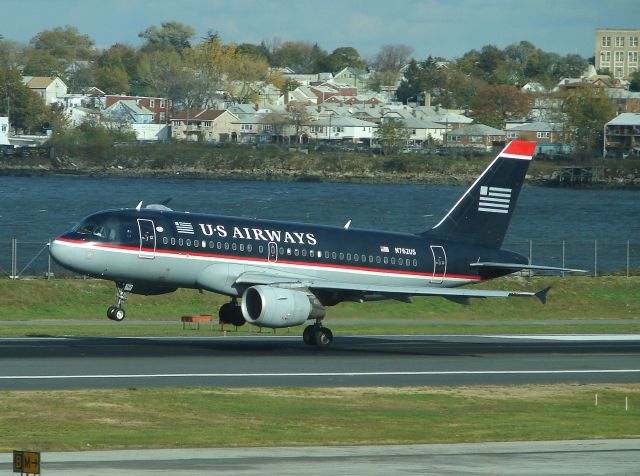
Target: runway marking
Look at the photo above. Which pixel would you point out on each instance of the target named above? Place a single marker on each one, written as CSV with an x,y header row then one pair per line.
x,y
321,374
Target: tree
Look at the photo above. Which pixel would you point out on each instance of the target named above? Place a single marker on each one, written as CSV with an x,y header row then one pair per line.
x,y
25,108
392,134
634,84
496,103
343,57
300,56
299,116
388,62
43,63
170,35
64,43
588,110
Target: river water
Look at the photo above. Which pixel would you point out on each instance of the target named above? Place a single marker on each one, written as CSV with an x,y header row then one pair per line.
x,y
35,209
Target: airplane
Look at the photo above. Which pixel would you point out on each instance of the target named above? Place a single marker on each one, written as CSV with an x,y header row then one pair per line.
x,y
285,273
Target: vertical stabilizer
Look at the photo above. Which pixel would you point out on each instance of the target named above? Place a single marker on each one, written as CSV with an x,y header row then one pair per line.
x,y
482,215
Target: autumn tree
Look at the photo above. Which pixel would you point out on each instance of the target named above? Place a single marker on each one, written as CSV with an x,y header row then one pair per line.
x,y
392,134
587,110
388,62
496,103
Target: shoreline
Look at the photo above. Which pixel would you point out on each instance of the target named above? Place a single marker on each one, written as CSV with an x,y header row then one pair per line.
x,y
293,175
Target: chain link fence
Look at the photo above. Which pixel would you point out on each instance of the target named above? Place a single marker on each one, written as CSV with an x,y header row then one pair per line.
x,y
30,259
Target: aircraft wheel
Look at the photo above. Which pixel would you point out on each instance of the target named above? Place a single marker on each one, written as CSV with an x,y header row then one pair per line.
x,y
308,336
323,337
111,312
115,313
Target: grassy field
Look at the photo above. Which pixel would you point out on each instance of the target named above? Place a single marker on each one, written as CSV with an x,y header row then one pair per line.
x,y
212,417
575,304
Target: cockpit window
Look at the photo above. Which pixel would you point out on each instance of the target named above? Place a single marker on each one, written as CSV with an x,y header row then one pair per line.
x,y
98,228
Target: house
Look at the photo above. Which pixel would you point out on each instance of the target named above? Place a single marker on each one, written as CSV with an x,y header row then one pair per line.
x,y
355,77
4,131
253,128
536,132
159,107
128,114
622,136
48,88
203,125
340,128
476,136
78,115
422,131
626,101
128,111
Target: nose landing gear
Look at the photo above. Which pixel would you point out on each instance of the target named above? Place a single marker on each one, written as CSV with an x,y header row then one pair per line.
x,y
116,313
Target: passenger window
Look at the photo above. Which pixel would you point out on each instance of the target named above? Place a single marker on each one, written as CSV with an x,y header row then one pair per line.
x,y
400,261
219,245
356,257
386,260
304,252
393,261
180,242
211,244
415,263
378,259
173,241
196,243
165,240
334,255
241,247
341,256
281,251
311,253
260,249
296,252
234,246
226,246
348,256
249,248
188,242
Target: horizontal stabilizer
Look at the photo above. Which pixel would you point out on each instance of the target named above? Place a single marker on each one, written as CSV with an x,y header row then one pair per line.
x,y
518,266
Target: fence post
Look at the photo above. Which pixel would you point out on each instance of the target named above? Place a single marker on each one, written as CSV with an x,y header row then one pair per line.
x,y
595,258
49,260
628,263
563,248
530,257
14,258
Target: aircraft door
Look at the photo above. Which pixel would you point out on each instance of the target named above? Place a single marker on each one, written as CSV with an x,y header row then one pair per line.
x,y
272,252
147,238
439,264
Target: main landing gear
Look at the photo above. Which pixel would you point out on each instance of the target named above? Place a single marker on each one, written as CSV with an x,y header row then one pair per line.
x,y
116,313
231,313
317,335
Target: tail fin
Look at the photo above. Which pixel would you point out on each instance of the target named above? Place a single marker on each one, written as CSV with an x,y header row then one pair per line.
x,y
482,215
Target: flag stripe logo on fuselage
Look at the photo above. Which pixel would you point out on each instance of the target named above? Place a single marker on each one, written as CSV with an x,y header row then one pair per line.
x,y
494,199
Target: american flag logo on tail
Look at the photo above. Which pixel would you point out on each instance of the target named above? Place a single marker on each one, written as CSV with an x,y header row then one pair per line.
x,y
494,199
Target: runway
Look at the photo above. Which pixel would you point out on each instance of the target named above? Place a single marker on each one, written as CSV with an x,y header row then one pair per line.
x,y
604,457
267,360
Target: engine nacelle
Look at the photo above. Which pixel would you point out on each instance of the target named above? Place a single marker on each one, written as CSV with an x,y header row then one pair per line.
x,y
274,307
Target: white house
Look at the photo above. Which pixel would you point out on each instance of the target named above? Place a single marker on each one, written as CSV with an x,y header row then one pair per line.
x,y
4,131
341,129
49,89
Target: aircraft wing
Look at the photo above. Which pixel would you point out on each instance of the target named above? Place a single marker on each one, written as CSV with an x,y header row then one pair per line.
x,y
518,267
391,292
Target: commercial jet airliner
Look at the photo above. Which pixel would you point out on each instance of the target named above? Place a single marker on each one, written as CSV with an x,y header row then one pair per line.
x,y
285,273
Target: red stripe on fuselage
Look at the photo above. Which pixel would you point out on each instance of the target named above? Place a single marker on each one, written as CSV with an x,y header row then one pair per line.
x,y
264,260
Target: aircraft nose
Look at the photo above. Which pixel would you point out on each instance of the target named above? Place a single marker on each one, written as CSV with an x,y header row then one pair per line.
x,y
59,253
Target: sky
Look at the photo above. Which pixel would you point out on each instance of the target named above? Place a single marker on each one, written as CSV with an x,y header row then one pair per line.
x,y
446,28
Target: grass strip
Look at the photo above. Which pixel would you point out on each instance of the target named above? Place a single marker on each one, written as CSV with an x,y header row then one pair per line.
x,y
212,417
612,304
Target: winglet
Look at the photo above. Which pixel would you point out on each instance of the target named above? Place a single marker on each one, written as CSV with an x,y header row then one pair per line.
x,y
542,295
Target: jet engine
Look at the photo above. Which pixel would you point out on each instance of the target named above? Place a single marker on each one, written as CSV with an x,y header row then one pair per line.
x,y
274,307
